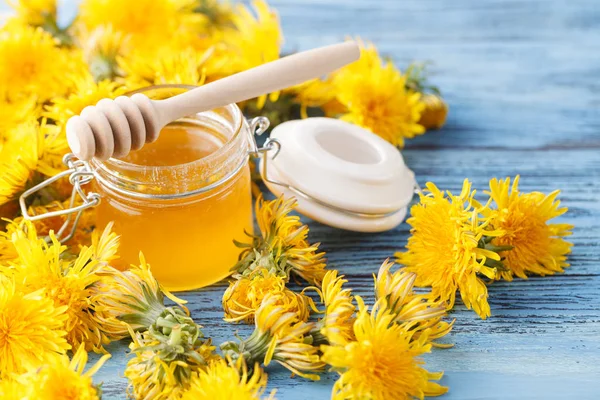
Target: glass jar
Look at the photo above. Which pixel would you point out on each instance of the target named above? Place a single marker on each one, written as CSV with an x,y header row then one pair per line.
x,y
183,200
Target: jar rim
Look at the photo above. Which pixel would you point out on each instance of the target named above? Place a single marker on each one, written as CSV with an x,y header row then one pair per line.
x,y
238,123
129,178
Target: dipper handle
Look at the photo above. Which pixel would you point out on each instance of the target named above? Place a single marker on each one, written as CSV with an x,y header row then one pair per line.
x,y
280,74
113,128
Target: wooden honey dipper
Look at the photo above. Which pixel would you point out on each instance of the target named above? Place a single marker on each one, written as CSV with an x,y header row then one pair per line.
x,y
113,128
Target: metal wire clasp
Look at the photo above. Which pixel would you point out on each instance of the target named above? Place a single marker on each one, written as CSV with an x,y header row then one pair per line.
x,y
79,173
258,126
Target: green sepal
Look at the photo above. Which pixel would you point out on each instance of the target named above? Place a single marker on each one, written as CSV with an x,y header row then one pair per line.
x,y
151,308
417,78
495,264
497,249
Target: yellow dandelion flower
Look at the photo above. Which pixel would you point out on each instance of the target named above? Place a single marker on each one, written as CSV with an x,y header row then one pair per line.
x,y
64,379
149,23
166,357
7,252
31,329
10,254
314,93
436,110
245,295
11,389
37,147
167,65
369,58
86,92
19,153
43,227
281,337
123,300
419,313
222,381
529,244
25,69
27,149
435,113
34,12
375,97
444,251
282,244
101,46
335,327
105,246
15,112
382,363
323,93
67,283
54,146
253,40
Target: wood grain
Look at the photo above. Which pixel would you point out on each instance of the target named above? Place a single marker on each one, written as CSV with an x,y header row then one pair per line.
x,y
523,82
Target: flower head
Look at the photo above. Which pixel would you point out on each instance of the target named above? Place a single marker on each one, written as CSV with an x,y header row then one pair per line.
x,y
101,46
34,12
54,146
30,150
435,112
167,65
19,154
64,379
68,283
336,324
382,362
278,336
314,93
148,23
31,329
223,381
131,299
282,245
245,295
444,249
12,389
86,92
25,67
13,112
418,312
167,356
373,94
253,40
529,243
105,246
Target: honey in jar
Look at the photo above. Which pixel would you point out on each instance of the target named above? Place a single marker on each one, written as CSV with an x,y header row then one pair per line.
x,y
183,199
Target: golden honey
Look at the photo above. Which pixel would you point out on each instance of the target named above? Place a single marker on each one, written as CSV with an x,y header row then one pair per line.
x,y
182,200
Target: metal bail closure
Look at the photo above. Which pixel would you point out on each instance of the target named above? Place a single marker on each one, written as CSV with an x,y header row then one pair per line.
x,y
258,126
79,173
342,175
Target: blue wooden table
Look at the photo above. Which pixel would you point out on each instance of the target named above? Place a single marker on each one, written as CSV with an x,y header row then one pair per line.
x,y
523,82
